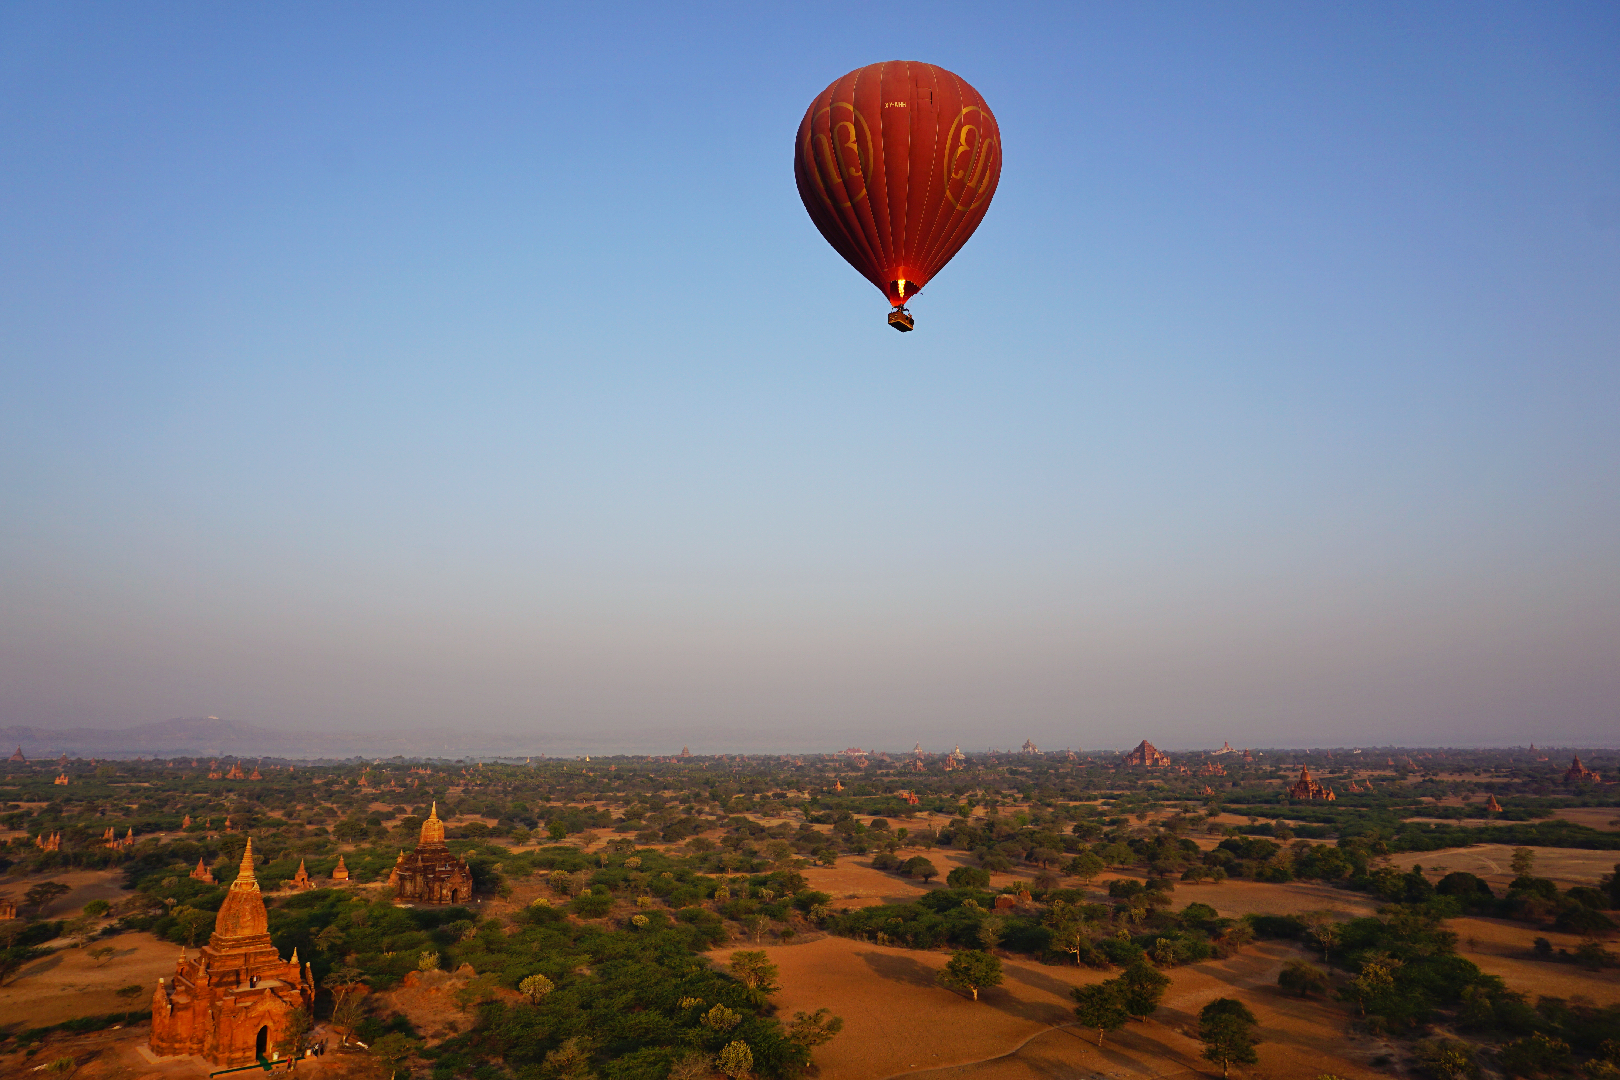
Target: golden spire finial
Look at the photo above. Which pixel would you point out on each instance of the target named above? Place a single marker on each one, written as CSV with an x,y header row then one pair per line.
x,y
433,812
246,876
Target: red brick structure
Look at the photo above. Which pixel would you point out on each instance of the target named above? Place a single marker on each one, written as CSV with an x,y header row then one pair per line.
x,y
17,758
300,880
1579,773
432,874
340,872
1492,806
1146,755
232,1004
1306,787
202,873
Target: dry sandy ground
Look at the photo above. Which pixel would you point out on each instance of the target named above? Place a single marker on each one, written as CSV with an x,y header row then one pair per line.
x,y
1503,948
1606,818
897,1021
428,999
1567,866
853,883
87,885
68,983
116,1055
1235,898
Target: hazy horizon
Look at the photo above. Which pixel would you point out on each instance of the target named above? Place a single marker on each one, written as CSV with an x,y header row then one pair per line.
x,y
381,368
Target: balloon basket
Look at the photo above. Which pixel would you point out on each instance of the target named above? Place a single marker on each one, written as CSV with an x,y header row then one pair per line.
x,y
901,320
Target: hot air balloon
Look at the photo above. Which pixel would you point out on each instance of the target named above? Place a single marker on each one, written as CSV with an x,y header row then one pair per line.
x,y
897,164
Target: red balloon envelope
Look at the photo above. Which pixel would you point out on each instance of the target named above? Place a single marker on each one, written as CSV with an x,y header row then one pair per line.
x,y
897,163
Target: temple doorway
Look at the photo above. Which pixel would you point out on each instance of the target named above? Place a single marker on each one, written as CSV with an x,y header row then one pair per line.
x,y
262,1044
453,896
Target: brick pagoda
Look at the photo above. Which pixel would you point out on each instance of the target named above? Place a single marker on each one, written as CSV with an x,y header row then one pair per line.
x,y
432,874
1146,755
233,1002
1306,787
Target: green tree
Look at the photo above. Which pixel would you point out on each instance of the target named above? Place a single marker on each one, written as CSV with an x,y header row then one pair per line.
x,y
347,986
811,1030
1322,930
393,1050
1445,1059
1534,1055
190,921
291,1041
1099,1006
43,895
13,957
917,866
1071,937
1523,861
571,1060
485,987
753,968
736,1060
1141,989
721,1018
1375,983
535,987
1084,866
968,877
972,971
1227,1029
1302,979
556,830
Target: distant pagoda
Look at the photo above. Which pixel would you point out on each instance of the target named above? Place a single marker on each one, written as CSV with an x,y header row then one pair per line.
x,y
1580,774
432,874
1146,756
1306,787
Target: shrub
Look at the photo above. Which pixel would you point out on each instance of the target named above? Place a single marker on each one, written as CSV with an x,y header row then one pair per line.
x,y
591,905
1276,926
1445,1059
1302,979
968,877
1534,1055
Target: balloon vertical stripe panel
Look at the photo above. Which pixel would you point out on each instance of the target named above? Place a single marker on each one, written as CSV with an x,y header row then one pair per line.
x,y
896,164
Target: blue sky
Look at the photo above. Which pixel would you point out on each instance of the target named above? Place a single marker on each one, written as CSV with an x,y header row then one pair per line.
x,y
395,366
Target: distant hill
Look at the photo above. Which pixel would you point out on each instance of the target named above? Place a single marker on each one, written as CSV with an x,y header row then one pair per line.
x,y
210,737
